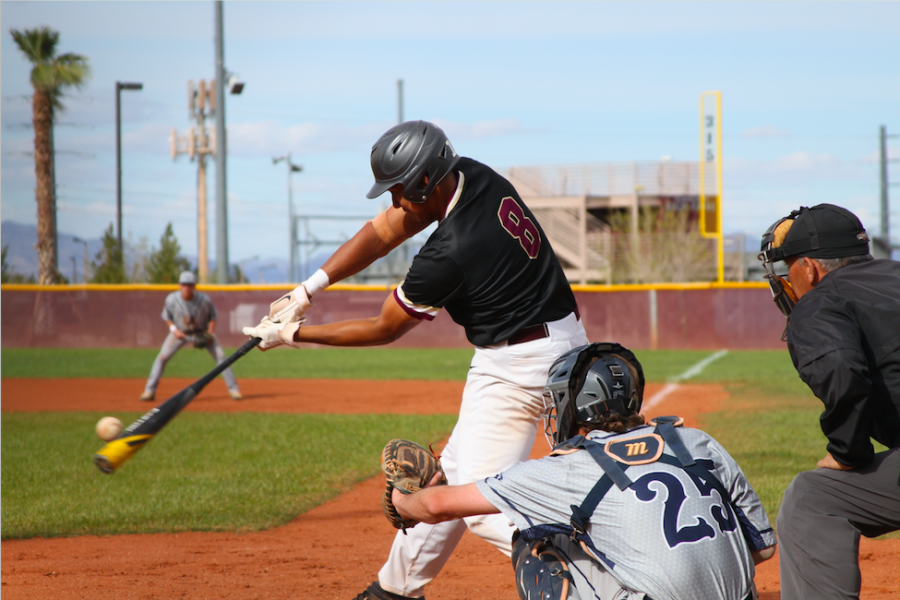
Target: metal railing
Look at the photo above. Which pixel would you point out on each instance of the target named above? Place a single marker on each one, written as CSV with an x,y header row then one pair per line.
x,y
663,178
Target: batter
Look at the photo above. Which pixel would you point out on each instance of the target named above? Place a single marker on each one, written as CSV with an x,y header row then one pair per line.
x,y
491,267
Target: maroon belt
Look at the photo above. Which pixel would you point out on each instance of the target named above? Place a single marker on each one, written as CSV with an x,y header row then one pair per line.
x,y
529,334
532,332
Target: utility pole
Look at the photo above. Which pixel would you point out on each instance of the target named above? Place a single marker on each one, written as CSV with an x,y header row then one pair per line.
x,y
399,101
119,87
221,153
885,204
197,144
292,222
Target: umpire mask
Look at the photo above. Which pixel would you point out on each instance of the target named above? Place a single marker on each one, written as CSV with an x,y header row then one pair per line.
x,y
823,231
588,383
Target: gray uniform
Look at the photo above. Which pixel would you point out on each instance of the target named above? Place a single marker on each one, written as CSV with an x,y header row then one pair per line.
x,y
668,535
190,317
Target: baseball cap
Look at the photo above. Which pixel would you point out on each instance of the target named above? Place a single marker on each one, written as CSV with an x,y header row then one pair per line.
x,y
824,231
187,278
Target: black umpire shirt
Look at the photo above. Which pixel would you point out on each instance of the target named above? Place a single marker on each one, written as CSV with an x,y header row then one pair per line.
x,y
488,263
844,339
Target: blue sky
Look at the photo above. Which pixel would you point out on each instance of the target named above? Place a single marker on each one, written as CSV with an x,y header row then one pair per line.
x,y
805,87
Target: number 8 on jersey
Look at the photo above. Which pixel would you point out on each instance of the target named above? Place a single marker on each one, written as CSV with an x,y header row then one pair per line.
x,y
514,221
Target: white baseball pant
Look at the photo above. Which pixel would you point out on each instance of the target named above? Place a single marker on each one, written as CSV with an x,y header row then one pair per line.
x,y
498,421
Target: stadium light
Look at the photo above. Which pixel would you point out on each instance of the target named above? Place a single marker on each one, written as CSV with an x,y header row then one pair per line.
x,y
292,226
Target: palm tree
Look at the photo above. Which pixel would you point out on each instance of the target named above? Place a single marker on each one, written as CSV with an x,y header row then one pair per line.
x,y
51,73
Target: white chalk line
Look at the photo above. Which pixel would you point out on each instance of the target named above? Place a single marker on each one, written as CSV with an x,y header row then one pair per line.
x,y
688,374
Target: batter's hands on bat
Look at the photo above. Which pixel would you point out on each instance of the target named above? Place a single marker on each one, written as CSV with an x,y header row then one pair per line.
x,y
273,334
290,307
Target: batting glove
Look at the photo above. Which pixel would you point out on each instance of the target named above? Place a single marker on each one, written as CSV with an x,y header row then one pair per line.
x,y
290,307
274,334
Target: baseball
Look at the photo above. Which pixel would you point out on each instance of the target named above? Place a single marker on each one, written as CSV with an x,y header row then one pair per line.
x,y
108,428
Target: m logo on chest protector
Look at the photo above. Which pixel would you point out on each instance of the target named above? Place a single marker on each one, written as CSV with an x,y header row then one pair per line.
x,y
637,450
514,221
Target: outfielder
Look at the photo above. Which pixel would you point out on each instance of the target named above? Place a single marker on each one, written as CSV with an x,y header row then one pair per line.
x,y
191,317
491,266
843,334
622,510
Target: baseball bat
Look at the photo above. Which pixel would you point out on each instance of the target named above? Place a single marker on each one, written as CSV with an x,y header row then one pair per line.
x,y
111,456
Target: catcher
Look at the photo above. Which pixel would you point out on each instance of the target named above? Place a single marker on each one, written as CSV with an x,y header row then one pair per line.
x,y
191,317
620,510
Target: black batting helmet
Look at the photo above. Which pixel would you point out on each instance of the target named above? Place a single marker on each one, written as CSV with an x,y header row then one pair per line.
x,y
405,154
588,383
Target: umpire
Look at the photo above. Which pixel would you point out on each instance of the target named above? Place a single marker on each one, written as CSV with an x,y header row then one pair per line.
x,y
843,334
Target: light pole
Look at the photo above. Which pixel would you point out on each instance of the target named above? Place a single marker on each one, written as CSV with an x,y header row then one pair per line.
x,y
119,87
81,241
223,78
292,226
74,273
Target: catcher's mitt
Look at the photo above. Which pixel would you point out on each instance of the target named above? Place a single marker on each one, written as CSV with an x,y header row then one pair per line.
x,y
202,340
407,467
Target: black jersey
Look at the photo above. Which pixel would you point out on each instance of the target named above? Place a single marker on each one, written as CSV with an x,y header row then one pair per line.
x,y
488,263
844,339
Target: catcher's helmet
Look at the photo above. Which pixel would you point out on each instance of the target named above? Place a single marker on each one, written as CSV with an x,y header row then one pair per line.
x,y
588,383
408,152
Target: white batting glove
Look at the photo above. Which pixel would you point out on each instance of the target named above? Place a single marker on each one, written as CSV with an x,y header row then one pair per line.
x,y
274,334
290,307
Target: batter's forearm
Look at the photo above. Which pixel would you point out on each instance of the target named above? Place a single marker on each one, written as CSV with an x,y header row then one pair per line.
x,y
375,240
357,332
355,254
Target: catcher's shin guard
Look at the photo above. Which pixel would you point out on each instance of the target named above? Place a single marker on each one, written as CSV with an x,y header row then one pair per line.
x,y
541,572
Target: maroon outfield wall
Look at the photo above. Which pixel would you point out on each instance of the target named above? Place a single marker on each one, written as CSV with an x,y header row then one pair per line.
x,y
707,316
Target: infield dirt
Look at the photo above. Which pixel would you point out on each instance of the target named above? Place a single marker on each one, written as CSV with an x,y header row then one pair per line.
x,y
332,551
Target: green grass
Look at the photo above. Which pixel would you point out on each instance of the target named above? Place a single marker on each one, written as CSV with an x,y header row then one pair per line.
x,y
347,363
203,472
253,471
336,363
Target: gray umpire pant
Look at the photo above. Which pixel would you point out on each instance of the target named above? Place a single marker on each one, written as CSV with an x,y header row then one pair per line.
x,y
822,515
173,345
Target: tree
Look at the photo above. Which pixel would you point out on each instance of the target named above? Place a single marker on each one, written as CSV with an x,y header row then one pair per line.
x,y
166,264
667,247
236,274
109,266
49,76
9,275
137,257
